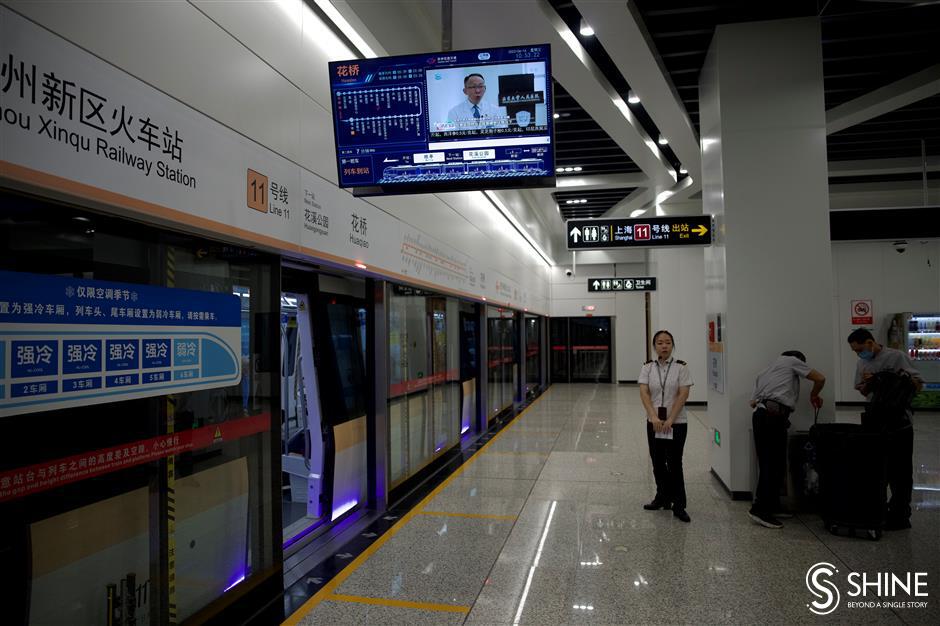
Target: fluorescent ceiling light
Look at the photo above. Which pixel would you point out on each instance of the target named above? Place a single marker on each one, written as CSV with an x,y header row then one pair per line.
x,y
632,98
638,213
586,29
346,28
662,140
682,170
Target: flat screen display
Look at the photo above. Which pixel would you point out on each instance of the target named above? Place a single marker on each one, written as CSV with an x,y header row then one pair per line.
x,y
447,121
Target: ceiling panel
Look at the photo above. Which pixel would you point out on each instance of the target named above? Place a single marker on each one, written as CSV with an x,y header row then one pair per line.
x,y
866,45
584,204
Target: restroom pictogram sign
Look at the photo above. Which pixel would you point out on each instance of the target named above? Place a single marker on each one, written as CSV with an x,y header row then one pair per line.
x,y
862,312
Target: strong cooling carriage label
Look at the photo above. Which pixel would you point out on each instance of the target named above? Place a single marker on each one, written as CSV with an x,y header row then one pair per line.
x,y
68,341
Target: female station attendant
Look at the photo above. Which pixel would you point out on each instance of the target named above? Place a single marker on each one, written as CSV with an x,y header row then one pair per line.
x,y
664,387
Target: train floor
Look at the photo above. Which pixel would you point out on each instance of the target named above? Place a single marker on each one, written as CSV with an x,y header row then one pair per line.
x,y
545,525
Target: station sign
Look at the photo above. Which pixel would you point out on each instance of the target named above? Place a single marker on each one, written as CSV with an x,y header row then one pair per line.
x,y
643,283
666,231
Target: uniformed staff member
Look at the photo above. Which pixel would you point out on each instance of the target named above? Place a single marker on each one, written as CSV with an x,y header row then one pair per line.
x,y
664,387
776,391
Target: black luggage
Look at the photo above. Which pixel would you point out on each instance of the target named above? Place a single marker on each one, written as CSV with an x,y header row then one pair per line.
x,y
852,465
804,479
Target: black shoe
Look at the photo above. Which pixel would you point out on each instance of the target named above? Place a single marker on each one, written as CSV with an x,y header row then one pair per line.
x,y
765,519
682,515
898,524
656,505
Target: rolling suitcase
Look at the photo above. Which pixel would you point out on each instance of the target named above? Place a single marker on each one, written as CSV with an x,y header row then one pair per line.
x,y
852,465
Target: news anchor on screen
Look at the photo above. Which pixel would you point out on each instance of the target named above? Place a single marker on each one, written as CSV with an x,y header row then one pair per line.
x,y
473,112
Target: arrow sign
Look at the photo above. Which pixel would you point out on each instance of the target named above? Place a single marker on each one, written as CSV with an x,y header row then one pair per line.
x,y
643,232
314,581
596,284
369,535
344,555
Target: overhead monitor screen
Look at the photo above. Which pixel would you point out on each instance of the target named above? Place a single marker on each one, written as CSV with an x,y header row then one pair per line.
x,y
448,121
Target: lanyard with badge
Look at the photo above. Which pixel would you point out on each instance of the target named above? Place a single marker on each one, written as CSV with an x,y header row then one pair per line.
x,y
661,411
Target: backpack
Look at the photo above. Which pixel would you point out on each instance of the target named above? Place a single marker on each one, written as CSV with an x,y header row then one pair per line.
x,y
891,395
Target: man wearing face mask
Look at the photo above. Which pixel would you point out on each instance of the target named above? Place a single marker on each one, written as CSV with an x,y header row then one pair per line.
x,y
873,358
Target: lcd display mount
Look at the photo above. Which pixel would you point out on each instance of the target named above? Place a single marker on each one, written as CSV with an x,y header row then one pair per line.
x,y
447,121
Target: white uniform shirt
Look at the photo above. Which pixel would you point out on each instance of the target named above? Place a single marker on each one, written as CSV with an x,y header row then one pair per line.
x,y
673,374
780,381
463,118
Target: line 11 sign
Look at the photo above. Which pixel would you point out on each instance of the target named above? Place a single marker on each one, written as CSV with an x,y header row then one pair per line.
x,y
694,230
645,283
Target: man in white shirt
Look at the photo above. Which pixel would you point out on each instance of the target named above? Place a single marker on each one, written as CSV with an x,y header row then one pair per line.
x,y
776,392
474,112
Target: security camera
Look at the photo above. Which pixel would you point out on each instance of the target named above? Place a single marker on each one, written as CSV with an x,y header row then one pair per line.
x,y
569,273
900,246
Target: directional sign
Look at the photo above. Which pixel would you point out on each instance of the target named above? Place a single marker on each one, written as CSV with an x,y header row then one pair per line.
x,y
641,283
694,230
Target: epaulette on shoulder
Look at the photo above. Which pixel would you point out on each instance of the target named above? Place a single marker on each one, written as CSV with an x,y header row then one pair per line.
x,y
681,362
648,362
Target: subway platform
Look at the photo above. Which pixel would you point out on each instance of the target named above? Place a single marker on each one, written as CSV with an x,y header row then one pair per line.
x,y
544,525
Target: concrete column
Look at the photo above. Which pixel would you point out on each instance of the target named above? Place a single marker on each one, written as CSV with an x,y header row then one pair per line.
x,y
765,179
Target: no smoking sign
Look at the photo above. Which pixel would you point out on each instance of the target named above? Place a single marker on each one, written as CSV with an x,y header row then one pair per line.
x,y
862,312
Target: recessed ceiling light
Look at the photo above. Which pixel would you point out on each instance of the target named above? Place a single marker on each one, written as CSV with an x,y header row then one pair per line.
x,y
632,98
586,29
569,169
682,170
559,170
577,168
569,201
556,115
663,141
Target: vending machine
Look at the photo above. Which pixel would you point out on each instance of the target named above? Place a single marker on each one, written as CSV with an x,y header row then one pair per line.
x,y
918,334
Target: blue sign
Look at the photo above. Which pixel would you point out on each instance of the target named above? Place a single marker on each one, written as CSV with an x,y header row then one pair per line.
x,y
81,384
156,352
81,356
69,341
185,351
34,358
122,354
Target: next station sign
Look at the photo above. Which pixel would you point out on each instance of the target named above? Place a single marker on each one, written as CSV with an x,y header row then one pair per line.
x,y
592,234
645,283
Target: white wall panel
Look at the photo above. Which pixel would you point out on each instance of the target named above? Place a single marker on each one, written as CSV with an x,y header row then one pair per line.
x,y
260,69
895,283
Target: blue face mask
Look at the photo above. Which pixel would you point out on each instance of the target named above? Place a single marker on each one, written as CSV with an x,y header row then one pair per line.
x,y
866,355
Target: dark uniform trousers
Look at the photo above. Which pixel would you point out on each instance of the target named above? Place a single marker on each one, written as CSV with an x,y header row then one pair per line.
x,y
666,455
770,441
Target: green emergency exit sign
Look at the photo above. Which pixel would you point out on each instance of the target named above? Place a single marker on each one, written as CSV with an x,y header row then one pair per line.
x,y
717,437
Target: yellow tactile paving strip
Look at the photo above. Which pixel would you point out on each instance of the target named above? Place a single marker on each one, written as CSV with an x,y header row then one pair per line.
x,y
327,592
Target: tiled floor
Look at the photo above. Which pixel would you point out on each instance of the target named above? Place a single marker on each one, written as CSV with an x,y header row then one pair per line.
x,y
545,526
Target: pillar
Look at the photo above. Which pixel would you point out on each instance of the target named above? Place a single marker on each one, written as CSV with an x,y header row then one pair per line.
x,y
765,179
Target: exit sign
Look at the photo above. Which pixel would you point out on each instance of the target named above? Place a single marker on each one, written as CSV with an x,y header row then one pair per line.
x,y
717,437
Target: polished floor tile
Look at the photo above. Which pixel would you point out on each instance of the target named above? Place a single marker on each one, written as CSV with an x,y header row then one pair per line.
x,y
572,473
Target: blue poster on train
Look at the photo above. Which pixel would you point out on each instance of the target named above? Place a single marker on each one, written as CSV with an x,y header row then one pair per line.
x,y
72,341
